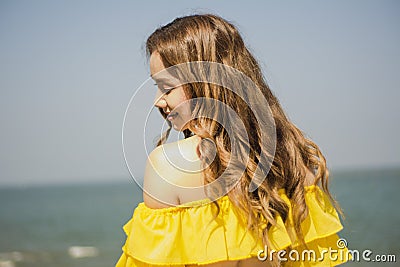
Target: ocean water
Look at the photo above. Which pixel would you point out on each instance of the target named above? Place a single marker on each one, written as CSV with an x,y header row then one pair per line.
x,y
53,225
38,225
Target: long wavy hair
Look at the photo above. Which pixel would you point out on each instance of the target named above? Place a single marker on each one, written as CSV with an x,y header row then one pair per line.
x,y
207,37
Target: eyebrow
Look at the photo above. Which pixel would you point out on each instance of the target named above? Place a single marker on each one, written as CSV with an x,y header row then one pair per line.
x,y
161,79
166,78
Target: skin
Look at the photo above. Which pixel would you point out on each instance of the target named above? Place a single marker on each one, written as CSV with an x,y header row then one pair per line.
x,y
164,183
173,166
171,101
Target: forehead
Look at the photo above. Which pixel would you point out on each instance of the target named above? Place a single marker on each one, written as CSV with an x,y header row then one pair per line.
x,y
156,64
159,73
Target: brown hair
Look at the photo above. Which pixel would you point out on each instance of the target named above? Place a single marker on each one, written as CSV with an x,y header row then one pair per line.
x,y
210,38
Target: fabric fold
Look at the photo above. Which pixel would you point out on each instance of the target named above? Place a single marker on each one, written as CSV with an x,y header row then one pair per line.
x,y
190,234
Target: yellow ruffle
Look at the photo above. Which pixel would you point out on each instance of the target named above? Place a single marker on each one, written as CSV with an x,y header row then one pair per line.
x,y
189,235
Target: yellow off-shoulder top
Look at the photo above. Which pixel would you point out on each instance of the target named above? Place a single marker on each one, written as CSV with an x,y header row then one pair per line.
x,y
181,235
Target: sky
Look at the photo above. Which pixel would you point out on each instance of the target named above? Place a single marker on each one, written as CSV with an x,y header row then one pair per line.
x,y
68,70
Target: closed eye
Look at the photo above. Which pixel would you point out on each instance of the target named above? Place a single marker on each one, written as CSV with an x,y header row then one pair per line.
x,y
164,88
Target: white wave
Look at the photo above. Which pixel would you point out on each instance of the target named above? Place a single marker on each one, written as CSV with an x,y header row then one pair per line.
x,y
82,252
5,257
6,263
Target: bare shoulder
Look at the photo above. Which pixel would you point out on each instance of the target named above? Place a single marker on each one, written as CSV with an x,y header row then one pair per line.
x,y
167,169
174,158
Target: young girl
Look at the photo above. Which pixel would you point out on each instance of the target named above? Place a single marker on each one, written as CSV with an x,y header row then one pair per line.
x,y
245,187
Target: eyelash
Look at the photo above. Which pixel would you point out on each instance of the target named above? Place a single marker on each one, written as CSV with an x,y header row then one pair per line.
x,y
166,91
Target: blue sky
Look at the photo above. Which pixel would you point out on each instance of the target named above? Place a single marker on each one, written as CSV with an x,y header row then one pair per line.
x,y
69,68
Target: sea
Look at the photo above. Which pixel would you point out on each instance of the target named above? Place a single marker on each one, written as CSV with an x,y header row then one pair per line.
x,y
81,224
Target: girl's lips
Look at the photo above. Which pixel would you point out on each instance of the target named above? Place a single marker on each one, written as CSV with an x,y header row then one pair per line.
x,y
171,116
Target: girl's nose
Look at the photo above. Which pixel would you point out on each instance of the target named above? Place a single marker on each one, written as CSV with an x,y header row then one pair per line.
x,y
160,102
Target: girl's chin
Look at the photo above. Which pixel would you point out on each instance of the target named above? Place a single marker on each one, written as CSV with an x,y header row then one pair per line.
x,y
179,127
